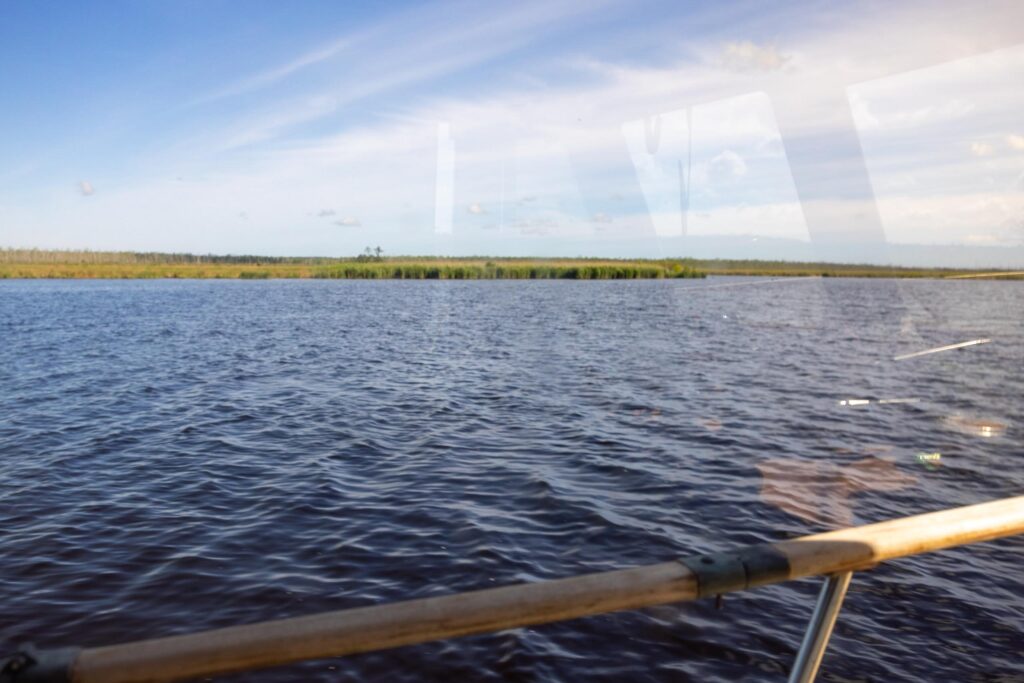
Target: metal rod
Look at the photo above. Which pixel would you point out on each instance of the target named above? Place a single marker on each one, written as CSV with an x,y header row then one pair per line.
x,y
830,601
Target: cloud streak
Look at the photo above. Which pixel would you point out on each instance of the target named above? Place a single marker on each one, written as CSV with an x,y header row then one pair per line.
x,y
279,73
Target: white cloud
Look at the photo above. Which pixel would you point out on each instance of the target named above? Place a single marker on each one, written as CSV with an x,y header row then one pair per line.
x,y
86,188
537,226
928,190
349,222
882,111
1015,141
476,209
324,213
984,240
981,149
726,167
778,220
748,56
860,108
600,217
953,219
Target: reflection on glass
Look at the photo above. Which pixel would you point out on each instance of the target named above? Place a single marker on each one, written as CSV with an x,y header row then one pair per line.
x,y
974,426
820,493
940,349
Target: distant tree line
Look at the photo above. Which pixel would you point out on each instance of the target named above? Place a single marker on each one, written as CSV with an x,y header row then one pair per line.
x,y
143,258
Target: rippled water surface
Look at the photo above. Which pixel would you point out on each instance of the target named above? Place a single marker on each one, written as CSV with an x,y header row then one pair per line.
x,y
184,455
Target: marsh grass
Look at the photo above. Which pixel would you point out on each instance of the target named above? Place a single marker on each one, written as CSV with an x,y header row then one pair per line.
x,y
38,263
457,270
818,269
117,265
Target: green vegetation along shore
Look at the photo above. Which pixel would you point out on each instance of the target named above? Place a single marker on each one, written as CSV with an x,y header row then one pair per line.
x,y
126,265
38,263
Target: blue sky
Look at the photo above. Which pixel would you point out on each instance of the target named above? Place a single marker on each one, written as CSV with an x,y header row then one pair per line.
x,y
858,131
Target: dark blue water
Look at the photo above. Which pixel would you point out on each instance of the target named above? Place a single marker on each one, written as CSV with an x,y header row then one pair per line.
x,y
177,456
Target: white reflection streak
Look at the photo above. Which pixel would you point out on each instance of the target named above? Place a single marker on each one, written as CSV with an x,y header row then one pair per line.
x,y
881,401
444,193
951,347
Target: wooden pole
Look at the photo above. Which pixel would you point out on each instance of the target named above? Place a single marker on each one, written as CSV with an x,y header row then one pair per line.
x,y
385,626
863,547
375,628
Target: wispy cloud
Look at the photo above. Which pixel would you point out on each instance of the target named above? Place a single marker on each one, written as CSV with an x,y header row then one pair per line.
x,y
412,48
268,125
279,73
86,188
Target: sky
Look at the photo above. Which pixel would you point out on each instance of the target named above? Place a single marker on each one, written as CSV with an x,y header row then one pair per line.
x,y
879,132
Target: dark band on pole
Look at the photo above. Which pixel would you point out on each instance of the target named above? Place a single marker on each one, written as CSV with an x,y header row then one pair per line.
x,y
727,572
29,665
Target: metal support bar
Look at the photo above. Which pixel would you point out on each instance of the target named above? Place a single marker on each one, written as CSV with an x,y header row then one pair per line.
x,y
830,601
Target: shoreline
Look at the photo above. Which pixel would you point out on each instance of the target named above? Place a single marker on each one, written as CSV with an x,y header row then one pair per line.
x,y
40,264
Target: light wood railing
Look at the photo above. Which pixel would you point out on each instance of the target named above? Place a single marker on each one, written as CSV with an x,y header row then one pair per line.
x,y
834,554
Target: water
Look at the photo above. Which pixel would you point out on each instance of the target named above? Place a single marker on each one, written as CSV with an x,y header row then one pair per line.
x,y
187,455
